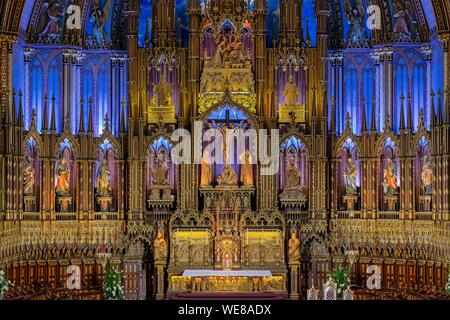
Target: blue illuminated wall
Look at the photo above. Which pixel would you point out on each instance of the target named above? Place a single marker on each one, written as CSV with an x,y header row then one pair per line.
x,y
309,17
181,14
273,21
144,16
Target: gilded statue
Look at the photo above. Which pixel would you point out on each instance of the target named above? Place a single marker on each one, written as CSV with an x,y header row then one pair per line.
x,y
63,178
294,247
247,169
28,177
160,247
163,91
104,179
228,177
217,61
427,175
228,131
160,174
390,178
355,18
206,174
293,175
236,53
291,92
350,177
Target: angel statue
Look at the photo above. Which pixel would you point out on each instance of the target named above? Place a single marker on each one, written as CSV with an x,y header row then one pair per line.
x,y
357,36
50,18
404,24
99,17
350,177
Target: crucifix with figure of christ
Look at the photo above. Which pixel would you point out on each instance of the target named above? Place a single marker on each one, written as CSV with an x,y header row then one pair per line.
x,y
227,128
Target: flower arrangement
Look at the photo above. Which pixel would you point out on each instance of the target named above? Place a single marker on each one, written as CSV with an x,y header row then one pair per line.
x,y
4,284
340,276
112,287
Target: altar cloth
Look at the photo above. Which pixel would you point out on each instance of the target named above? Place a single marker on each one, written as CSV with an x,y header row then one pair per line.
x,y
227,273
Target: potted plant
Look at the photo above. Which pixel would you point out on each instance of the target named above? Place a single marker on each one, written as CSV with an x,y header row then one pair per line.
x,y
4,284
112,286
340,277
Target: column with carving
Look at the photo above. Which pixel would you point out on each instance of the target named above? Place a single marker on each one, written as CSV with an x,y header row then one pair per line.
x,y
427,51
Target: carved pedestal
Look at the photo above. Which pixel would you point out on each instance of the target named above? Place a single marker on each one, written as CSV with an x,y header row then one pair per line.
x,y
293,295
425,203
286,113
293,198
350,201
391,202
155,192
104,203
29,203
64,203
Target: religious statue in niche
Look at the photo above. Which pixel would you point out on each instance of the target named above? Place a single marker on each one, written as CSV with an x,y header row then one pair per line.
x,y
294,248
293,177
50,18
247,169
160,173
228,132
63,178
350,177
104,179
404,24
390,177
99,18
217,61
357,36
162,92
160,247
229,50
207,173
228,177
28,177
291,92
427,176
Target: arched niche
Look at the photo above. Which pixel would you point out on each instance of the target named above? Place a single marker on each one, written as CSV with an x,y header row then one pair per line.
x,y
294,168
423,166
226,34
161,171
228,130
349,177
389,175
31,173
105,177
65,177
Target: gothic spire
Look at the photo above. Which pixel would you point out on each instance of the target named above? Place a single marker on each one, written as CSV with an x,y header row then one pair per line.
x,y
432,111
81,128
409,118
20,116
402,112
332,116
314,104
363,115
373,124
90,120
13,109
45,118
439,110
53,120
122,119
